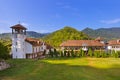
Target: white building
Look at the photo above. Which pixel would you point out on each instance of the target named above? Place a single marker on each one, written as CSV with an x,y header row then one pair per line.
x,y
23,47
114,45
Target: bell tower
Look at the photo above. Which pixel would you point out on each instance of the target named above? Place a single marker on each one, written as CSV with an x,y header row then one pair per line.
x,y
18,41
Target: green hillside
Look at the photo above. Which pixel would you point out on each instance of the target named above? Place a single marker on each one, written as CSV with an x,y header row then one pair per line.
x,y
67,33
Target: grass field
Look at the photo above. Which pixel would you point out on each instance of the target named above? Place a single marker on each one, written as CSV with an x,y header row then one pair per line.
x,y
63,69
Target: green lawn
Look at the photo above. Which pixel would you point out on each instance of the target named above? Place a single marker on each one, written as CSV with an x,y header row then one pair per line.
x,y
63,69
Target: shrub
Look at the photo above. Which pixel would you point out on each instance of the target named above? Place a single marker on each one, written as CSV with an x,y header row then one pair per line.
x,y
80,52
65,53
90,52
55,53
4,50
83,54
97,54
118,53
72,53
68,54
51,53
113,53
61,54
103,54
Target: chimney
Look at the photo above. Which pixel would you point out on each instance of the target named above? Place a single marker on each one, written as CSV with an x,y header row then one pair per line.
x,y
118,40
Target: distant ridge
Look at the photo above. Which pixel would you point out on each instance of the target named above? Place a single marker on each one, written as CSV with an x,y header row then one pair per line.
x,y
106,33
29,34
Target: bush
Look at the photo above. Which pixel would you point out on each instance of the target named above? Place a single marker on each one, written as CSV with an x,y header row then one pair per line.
x,y
103,54
97,54
90,52
83,54
68,53
113,53
61,54
118,53
65,53
4,50
72,53
51,53
55,53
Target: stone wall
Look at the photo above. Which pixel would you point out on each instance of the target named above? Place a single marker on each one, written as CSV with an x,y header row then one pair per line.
x,y
3,65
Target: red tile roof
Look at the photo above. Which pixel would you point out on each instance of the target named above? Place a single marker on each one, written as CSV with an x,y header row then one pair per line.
x,y
48,46
18,26
33,41
114,42
37,42
82,43
99,39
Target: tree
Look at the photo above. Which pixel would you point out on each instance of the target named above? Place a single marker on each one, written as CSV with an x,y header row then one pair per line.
x,y
65,53
72,53
4,49
90,52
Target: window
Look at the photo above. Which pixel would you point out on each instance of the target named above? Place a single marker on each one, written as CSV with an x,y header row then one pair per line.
x,y
41,47
16,49
15,35
16,43
36,49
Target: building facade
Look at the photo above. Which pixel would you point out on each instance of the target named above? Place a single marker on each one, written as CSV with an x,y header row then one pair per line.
x,y
114,45
83,44
23,47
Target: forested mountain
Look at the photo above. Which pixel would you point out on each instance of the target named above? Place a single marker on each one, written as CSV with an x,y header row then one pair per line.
x,y
36,34
67,33
106,33
29,34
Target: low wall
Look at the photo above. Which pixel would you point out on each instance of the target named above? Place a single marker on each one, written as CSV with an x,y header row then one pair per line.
x,y
3,65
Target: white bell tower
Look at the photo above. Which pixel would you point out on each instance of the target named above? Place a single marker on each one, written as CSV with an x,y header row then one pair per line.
x,y
18,41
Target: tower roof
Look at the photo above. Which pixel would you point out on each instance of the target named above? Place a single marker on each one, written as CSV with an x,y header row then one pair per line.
x,y
18,26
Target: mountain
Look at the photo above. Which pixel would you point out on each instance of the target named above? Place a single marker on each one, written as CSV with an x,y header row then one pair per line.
x,y
67,33
106,33
29,34
35,34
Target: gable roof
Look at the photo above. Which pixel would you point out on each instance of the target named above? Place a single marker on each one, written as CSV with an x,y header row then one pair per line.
x,y
99,38
82,43
18,26
114,42
48,46
33,41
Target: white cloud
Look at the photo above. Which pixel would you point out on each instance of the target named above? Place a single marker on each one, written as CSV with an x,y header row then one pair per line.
x,y
111,21
66,6
25,24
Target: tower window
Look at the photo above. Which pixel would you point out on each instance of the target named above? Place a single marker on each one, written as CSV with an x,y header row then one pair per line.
x,y
15,35
16,43
16,49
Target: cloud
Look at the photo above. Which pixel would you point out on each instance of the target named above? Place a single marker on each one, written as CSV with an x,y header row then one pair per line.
x,y
66,6
25,24
111,21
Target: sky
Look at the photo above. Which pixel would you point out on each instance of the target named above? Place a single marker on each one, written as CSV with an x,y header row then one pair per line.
x,y
45,16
